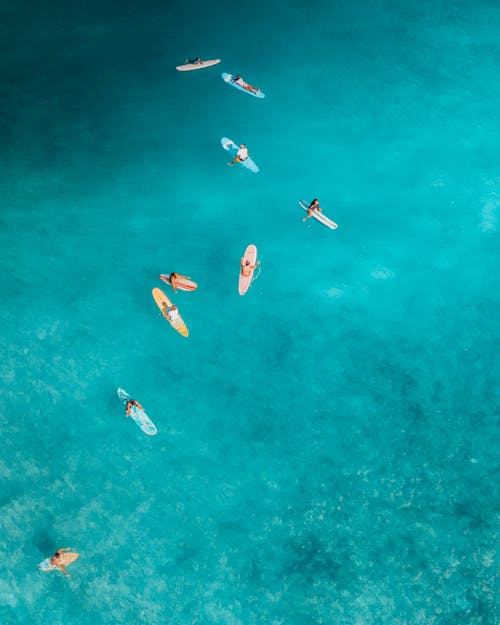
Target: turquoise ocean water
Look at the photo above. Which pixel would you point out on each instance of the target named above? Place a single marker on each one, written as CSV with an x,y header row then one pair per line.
x,y
327,445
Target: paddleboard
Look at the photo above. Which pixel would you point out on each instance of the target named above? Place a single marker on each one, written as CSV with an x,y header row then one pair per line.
x,y
183,284
244,282
138,415
163,304
321,217
229,79
230,146
189,67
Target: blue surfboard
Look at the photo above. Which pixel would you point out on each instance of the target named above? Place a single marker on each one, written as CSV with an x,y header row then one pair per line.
x,y
46,565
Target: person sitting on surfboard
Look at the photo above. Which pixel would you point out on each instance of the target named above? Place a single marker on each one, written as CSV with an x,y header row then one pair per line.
x,y
61,558
130,404
171,312
247,268
241,155
173,277
238,80
313,206
196,61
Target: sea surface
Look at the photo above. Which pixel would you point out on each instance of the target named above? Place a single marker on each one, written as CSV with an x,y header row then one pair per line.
x,y
327,447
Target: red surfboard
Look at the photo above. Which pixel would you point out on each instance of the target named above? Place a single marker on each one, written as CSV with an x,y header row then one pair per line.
x,y
183,283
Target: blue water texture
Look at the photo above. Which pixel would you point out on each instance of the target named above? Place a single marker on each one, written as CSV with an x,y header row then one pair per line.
x,y
327,447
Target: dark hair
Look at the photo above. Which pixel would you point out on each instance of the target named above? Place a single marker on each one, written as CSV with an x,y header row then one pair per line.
x,y
57,554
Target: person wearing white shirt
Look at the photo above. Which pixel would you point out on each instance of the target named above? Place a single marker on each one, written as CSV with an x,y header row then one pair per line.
x,y
173,313
241,155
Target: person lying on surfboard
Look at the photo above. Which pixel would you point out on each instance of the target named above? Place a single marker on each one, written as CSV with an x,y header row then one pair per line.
x,y
241,155
196,61
60,559
130,405
313,206
170,312
238,80
247,268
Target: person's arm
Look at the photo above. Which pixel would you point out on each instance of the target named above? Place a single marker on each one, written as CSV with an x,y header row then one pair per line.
x,y
256,265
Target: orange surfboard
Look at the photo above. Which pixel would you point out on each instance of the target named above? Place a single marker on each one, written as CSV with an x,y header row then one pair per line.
x,y
244,282
68,557
164,304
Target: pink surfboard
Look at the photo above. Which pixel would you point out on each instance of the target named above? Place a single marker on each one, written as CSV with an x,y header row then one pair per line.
x,y
245,281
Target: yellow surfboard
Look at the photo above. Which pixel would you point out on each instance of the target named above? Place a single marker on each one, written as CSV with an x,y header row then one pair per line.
x,y
165,305
68,557
65,558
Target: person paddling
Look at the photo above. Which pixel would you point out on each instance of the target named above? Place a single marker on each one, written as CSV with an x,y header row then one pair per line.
x,y
238,80
62,558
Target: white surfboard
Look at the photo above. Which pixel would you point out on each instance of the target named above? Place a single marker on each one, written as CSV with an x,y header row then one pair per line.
x,y
189,67
321,217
